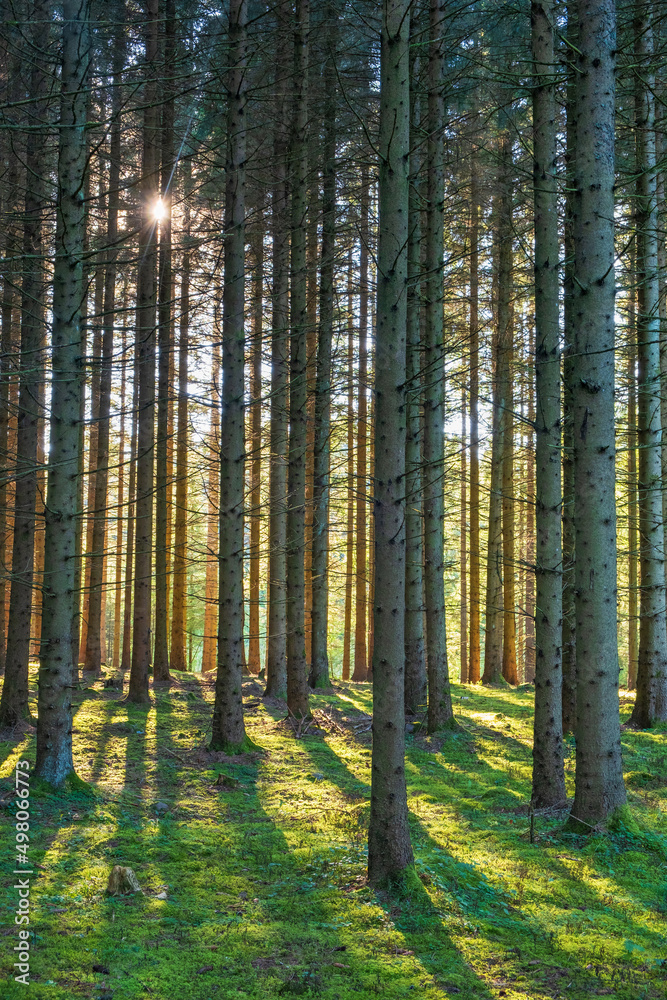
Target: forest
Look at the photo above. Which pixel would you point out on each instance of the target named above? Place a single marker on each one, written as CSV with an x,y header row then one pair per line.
x,y
333,378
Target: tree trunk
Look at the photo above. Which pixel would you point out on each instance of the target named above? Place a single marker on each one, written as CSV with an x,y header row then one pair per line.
x,y
319,668
54,719
121,514
463,618
389,848
439,698
415,658
179,588
145,372
651,702
633,543
297,674
530,571
475,651
599,785
14,701
360,671
349,478
493,639
209,646
165,349
569,615
276,675
93,653
126,648
228,726
506,357
254,660
548,773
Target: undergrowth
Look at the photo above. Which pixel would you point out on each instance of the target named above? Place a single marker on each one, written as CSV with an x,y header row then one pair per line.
x,y
253,865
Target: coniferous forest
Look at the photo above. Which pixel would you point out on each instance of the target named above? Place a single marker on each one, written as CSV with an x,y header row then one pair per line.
x,y
333,379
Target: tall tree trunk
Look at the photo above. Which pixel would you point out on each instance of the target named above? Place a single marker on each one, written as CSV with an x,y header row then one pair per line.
x,y
548,773
463,618
599,785
506,358
475,651
493,639
297,678
569,614
360,671
319,668
179,588
389,847
530,571
145,372
651,702
276,646
95,365
165,348
93,653
254,661
633,543
228,727
14,701
126,648
11,251
439,698
54,719
415,657
211,601
311,378
349,478
120,503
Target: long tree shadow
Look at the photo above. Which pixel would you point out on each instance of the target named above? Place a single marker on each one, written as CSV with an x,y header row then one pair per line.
x,y
463,893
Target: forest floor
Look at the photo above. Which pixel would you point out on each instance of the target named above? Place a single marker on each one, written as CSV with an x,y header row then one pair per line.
x,y
253,867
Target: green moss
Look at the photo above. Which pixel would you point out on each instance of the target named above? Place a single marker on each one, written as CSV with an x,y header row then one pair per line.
x,y
265,874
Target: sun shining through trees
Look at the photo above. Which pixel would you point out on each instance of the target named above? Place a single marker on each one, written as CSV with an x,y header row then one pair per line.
x,y
333,442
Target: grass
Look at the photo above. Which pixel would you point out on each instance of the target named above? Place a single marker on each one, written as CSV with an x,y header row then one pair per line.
x,y
263,868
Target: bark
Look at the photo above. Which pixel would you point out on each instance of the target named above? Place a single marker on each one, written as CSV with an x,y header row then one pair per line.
x,y
506,357
415,657
297,674
93,652
599,785
54,719
651,701
276,673
120,510
360,671
633,542
11,251
530,571
475,651
439,697
145,372
179,589
126,648
349,474
389,847
228,726
548,773
569,616
463,642
319,668
254,662
211,602
493,639
311,378
165,348
14,701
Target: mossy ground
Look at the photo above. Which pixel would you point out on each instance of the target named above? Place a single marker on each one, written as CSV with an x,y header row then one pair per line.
x,y
264,875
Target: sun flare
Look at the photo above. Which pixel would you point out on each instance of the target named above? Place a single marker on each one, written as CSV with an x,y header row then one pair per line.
x,y
159,210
